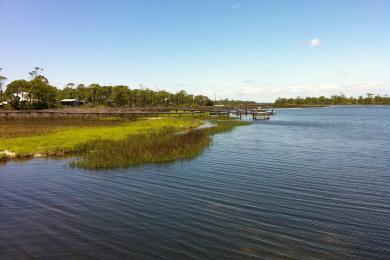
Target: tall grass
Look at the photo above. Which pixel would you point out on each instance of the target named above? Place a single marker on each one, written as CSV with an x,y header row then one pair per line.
x,y
32,126
162,146
50,138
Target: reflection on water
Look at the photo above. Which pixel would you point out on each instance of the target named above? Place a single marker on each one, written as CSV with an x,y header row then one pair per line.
x,y
309,183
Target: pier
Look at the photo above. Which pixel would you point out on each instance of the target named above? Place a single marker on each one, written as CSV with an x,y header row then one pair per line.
x,y
254,114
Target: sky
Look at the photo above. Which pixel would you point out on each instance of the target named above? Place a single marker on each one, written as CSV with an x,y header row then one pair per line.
x,y
238,49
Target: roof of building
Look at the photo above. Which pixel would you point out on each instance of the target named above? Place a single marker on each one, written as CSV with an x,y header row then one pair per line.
x,y
69,100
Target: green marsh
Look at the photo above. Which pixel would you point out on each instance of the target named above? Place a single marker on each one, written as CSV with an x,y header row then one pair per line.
x,y
164,145
109,143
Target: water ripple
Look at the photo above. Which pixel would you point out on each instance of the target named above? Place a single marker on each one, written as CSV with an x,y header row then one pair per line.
x,y
310,183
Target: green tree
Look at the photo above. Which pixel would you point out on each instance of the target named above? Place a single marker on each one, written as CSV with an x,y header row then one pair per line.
x,y
334,100
15,92
43,93
94,92
35,72
120,95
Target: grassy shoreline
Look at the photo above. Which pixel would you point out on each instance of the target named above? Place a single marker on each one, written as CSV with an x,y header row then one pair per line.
x,y
154,147
51,138
111,143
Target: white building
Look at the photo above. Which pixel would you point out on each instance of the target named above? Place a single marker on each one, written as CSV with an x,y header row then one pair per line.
x,y
23,96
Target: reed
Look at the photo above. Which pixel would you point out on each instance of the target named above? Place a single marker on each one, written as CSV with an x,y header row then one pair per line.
x,y
165,145
57,137
32,126
3,157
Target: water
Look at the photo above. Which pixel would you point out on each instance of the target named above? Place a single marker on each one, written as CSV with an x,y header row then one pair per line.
x,y
310,183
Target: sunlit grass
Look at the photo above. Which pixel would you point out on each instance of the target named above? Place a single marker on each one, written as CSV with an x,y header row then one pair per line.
x,y
30,126
110,143
162,146
52,137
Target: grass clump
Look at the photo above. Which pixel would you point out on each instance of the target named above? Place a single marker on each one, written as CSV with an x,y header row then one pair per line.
x,y
3,157
152,147
165,145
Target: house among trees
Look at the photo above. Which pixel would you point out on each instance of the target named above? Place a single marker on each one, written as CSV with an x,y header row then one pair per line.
x,y
71,102
37,93
23,96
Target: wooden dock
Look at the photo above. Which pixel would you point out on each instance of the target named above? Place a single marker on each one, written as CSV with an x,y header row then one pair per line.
x,y
178,112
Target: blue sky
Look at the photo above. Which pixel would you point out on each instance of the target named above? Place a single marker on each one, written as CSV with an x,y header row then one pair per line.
x,y
257,50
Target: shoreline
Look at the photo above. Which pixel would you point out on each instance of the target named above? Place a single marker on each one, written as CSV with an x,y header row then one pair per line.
x,y
141,141
61,141
340,105
6,155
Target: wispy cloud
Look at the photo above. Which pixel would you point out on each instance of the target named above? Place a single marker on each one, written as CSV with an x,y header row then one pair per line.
x,y
248,81
342,74
180,84
235,6
315,42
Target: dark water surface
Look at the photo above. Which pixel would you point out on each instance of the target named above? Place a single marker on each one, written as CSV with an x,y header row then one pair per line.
x,y
310,183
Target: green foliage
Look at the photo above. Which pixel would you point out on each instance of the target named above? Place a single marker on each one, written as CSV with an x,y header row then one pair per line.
x,y
44,94
11,127
106,144
39,94
69,139
150,147
164,145
3,157
34,94
370,99
123,96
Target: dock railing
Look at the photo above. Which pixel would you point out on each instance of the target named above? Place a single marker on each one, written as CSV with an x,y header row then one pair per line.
x,y
157,112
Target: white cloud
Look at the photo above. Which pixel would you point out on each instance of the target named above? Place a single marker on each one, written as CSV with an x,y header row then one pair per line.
x,y
235,6
314,42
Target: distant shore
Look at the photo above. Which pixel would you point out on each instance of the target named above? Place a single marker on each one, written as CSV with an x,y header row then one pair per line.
x,y
314,106
301,106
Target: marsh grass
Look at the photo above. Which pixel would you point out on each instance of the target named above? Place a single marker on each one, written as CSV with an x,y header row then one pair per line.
x,y
53,137
30,126
162,146
3,157
105,143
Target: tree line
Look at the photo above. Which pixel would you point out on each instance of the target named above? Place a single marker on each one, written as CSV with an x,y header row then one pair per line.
x,y
369,99
37,93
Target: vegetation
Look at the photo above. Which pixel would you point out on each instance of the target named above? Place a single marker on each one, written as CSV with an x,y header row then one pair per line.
x,y
55,139
3,157
341,99
37,93
123,96
108,143
161,146
23,127
33,94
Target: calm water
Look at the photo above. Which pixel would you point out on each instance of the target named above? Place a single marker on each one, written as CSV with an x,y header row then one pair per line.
x,y
311,183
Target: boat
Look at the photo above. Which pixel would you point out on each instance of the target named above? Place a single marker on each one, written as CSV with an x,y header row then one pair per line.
x,y
264,110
